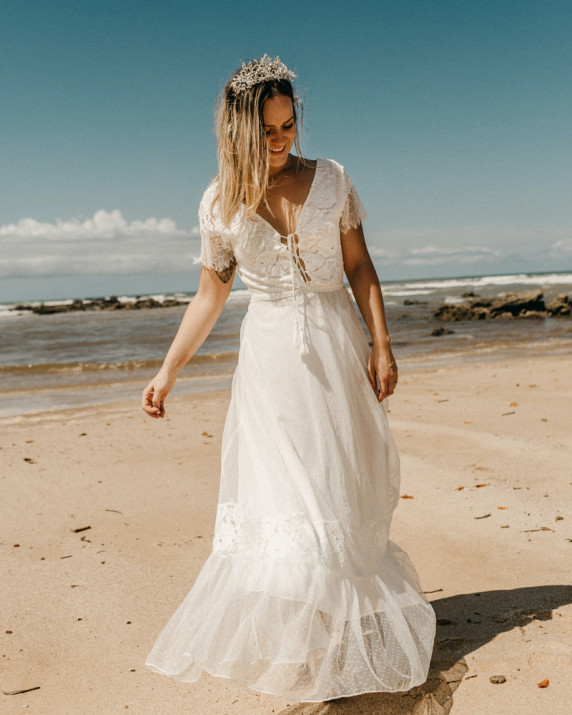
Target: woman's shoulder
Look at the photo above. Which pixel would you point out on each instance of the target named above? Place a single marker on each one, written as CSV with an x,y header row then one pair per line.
x,y
208,207
331,164
336,173
334,170
209,217
209,194
210,212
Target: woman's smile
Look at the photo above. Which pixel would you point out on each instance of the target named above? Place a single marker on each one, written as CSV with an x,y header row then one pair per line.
x,y
280,129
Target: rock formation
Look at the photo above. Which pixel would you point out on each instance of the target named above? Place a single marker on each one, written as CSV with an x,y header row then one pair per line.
x,y
527,304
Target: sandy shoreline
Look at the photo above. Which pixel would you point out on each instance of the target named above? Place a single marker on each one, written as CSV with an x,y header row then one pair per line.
x,y
85,607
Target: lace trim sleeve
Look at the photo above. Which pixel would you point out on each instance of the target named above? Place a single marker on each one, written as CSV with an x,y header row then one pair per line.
x,y
353,212
216,249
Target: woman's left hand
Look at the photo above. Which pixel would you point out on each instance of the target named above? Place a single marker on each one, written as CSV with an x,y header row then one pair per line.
x,y
382,372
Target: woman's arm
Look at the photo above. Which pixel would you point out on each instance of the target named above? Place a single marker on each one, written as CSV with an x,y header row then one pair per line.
x,y
361,275
198,321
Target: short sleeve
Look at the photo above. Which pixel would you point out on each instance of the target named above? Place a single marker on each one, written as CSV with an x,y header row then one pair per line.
x,y
216,249
353,212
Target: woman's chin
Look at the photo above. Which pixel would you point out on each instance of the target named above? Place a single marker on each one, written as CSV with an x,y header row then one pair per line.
x,y
278,160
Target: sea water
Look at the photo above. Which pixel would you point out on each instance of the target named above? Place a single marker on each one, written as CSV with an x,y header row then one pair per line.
x,y
62,360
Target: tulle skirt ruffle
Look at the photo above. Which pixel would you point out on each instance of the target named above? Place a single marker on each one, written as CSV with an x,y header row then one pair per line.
x,y
304,595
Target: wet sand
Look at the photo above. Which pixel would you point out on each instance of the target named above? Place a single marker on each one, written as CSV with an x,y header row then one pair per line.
x,y
486,453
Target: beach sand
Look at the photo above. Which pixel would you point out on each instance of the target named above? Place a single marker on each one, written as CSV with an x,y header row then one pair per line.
x,y
486,457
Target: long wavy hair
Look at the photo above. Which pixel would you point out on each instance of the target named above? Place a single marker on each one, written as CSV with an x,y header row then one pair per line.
x,y
242,144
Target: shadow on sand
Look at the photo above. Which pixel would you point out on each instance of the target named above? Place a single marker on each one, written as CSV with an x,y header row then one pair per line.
x,y
464,623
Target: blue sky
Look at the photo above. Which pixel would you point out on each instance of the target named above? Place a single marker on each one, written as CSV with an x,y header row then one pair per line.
x,y
452,118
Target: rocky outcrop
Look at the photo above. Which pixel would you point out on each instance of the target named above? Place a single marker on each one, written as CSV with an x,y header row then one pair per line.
x,y
527,304
561,305
437,332
453,313
111,303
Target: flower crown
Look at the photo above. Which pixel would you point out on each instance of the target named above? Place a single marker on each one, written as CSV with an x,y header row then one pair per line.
x,y
263,70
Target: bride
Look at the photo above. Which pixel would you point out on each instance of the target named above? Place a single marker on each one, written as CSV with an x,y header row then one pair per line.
x,y
303,595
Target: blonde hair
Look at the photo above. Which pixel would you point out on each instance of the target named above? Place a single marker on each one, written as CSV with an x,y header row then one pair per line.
x,y
242,144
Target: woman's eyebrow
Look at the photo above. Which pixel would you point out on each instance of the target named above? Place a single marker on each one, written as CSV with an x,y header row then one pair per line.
x,y
286,122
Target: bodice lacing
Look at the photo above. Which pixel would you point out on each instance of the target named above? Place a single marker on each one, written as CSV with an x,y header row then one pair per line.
x,y
296,268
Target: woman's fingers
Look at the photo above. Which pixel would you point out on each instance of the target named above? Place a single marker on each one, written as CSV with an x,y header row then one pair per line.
x,y
382,372
385,382
371,375
152,403
385,390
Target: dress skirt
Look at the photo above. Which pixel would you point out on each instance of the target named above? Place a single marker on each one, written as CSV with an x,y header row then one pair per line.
x,y
304,595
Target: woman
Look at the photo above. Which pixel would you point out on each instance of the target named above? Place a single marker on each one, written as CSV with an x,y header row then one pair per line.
x,y
303,595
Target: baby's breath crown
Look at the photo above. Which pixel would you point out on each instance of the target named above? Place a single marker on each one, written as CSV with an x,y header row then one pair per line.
x,y
263,70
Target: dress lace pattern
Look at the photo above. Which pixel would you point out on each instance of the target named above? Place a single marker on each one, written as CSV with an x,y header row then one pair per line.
x,y
216,253
297,540
264,257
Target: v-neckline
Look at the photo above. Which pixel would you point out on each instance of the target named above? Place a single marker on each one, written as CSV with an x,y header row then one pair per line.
x,y
295,232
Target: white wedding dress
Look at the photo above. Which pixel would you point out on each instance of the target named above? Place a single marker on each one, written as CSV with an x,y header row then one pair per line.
x,y
303,594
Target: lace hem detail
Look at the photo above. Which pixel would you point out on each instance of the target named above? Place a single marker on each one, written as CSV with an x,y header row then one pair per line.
x,y
296,539
215,256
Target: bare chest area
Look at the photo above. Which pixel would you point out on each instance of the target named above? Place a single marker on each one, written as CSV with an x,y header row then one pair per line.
x,y
285,199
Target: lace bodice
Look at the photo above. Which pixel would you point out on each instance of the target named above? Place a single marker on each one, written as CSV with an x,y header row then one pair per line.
x,y
272,265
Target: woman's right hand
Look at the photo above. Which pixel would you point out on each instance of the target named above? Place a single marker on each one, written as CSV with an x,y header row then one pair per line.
x,y
155,394
200,316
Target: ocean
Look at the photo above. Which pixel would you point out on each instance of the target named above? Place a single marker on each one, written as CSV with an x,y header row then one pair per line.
x,y
77,359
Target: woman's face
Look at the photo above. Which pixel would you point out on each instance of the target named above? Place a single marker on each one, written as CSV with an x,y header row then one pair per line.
x,y
280,128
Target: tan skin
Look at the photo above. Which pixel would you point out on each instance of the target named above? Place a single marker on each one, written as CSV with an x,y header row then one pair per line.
x,y
289,185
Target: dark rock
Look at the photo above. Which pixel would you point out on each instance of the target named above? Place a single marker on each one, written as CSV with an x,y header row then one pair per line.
x,y
146,303
441,331
480,303
409,301
469,294
517,303
43,309
111,303
528,304
561,305
453,313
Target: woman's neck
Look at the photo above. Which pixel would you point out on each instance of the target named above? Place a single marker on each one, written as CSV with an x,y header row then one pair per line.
x,y
290,163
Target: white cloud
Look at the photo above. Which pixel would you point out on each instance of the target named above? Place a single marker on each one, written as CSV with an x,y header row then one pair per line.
x,y
431,255
471,246
103,244
108,244
562,248
459,255
104,224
